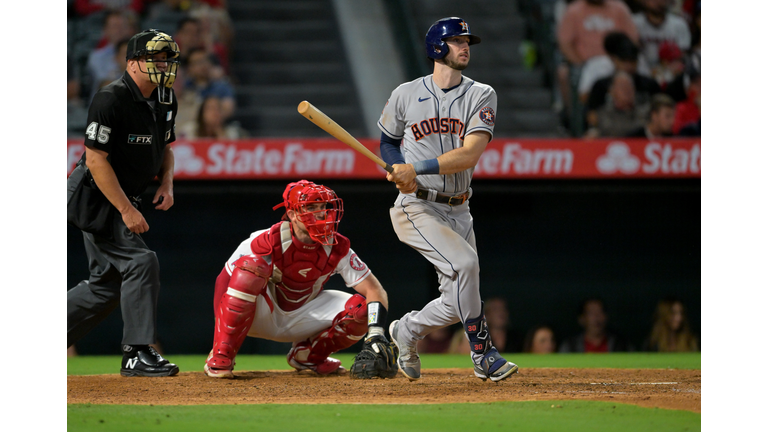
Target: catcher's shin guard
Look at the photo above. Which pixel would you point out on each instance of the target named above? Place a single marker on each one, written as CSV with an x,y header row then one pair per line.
x,y
488,362
346,329
235,314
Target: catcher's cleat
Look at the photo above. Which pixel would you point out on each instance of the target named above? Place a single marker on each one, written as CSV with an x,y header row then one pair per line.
x,y
143,360
408,361
492,365
330,366
298,359
215,367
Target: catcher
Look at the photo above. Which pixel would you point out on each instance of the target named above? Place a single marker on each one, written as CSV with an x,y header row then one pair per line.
x,y
272,288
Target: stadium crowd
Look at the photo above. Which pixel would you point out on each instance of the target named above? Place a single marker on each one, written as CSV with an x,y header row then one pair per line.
x,y
614,56
670,331
98,32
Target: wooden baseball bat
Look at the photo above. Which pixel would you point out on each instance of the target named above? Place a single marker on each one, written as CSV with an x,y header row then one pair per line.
x,y
325,123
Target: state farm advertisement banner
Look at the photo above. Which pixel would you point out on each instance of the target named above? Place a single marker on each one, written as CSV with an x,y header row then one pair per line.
x,y
504,158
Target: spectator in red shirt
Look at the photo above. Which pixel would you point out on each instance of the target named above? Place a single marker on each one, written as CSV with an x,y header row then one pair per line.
x,y
216,31
688,112
87,7
595,337
580,36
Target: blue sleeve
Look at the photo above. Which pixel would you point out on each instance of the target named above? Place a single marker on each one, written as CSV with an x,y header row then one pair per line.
x,y
222,90
390,150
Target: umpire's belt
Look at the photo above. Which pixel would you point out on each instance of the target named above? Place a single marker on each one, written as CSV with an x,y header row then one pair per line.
x,y
451,200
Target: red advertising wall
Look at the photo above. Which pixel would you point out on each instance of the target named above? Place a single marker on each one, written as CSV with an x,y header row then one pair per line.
x,y
504,158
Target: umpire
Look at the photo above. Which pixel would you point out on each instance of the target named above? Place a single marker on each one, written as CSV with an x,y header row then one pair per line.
x,y
130,124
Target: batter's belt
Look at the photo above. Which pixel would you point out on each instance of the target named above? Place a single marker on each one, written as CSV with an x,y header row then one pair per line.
x,y
451,200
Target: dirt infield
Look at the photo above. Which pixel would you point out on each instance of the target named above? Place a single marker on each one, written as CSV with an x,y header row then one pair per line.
x,y
662,388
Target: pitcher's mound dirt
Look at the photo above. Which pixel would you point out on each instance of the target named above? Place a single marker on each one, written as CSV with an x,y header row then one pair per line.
x,y
662,388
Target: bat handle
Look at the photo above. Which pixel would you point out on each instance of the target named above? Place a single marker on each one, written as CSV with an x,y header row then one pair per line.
x,y
388,167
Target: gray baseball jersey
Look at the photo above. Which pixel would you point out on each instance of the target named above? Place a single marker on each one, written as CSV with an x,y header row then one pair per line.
x,y
432,122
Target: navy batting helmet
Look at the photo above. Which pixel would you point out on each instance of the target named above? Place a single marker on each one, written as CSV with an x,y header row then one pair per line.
x,y
443,29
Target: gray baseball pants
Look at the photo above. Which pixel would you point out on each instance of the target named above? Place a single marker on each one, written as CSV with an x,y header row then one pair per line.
x,y
123,271
443,234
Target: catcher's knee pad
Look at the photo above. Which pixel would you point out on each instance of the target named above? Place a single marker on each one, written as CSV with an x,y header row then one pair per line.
x,y
348,327
250,275
238,304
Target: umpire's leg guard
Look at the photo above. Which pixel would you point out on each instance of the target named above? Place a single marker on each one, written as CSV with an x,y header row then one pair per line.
x,y
348,327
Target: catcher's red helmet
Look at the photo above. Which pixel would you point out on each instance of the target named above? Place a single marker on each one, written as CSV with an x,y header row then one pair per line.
x,y
322,223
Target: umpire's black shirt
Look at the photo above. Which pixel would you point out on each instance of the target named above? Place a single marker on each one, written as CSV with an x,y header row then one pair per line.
x,y
132,130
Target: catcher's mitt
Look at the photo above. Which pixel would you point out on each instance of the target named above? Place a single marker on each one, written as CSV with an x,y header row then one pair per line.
x,y
377,359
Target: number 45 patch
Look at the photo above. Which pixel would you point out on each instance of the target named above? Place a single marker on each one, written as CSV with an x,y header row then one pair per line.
x,y
101,136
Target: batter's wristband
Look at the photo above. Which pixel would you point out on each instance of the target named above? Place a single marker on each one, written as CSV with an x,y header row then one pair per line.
x,y
377,314
429,166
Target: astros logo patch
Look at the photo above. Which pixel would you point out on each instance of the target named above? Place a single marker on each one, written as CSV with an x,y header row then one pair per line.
x,y
487,116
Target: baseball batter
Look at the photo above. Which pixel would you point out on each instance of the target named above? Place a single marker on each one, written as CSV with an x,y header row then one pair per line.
x,y
443,122
272,288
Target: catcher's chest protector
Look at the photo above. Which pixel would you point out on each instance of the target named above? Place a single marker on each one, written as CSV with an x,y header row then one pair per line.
x,y
300,270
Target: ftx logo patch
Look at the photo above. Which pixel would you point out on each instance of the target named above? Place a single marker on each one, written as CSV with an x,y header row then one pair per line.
x,y
139,139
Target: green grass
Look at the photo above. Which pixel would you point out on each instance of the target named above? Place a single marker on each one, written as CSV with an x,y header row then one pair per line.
x,y
94,365
570,415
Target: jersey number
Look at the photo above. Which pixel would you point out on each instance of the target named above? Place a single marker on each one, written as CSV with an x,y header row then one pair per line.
x,y
103,135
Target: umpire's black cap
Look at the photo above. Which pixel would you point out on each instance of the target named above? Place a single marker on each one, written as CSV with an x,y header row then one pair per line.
x,y
151,41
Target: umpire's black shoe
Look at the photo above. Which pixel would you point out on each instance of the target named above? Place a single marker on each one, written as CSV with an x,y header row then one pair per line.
x,y
143,360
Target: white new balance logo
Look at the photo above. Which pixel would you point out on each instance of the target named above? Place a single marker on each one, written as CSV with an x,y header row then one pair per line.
x,y
131,363
304,271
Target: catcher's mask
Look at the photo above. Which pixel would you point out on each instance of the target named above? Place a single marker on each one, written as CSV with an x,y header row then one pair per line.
x,y
150,42
322,222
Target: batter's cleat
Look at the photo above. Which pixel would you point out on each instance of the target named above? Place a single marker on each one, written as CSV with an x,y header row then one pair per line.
x,y
494,366
216,367
408,361
143,360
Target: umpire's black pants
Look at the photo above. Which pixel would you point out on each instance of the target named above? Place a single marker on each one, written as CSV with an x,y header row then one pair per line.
x,y
123,271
